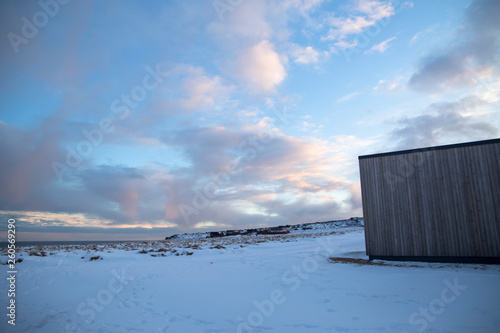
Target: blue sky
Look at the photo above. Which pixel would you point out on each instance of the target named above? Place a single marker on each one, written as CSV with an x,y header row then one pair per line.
x,y
137,120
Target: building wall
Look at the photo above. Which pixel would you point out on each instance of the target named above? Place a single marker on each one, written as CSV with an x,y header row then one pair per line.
x,y
435,202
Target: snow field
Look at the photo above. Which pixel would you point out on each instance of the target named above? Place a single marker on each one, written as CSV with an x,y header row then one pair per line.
x,y
271,284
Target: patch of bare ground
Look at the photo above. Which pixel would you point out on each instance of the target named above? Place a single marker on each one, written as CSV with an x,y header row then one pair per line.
x,y
359,261
365,262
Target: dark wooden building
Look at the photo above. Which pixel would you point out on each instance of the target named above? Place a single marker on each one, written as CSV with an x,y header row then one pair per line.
x,y
433,204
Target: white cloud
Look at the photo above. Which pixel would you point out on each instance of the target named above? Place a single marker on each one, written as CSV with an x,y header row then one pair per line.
x,y
388,86
307,55
191,88
248,113
202,90
303,6
487,90
365,14
381,47
261,67
416,37
348,97
376,10
419,35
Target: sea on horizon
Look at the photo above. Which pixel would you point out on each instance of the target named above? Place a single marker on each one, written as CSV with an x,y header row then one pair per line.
x,y
36,243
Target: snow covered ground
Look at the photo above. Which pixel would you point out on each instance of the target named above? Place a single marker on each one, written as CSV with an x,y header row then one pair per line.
x,y
279,283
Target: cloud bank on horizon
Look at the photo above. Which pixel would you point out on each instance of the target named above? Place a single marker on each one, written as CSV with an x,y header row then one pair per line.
x,y
133,120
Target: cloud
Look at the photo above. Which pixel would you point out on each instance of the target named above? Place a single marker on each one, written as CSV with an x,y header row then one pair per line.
x,y
444,121
355,198
118,194
364,14
348,97
247,23
206,148
381,47
272,170
26,163
261,68
199,90
388,86
248,39
419,35
375,10
488,90
452,71
415,37
303,210
279,178
294,165
255,40
259,167
307,55
46,226
472,56
303,6
261,152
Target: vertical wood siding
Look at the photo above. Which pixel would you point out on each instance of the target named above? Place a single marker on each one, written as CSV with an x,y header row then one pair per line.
x,y
433,202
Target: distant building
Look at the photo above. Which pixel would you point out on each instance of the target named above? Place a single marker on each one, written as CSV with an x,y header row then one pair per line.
x,y
274,231
355,221
433,204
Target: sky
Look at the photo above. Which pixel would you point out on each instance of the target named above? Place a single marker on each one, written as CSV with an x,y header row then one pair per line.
x,y
127,120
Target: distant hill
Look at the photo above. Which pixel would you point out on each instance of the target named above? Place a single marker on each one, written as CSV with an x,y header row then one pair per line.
x,y
282,229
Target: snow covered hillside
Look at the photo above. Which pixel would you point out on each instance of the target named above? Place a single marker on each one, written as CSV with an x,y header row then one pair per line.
x,y
254,283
